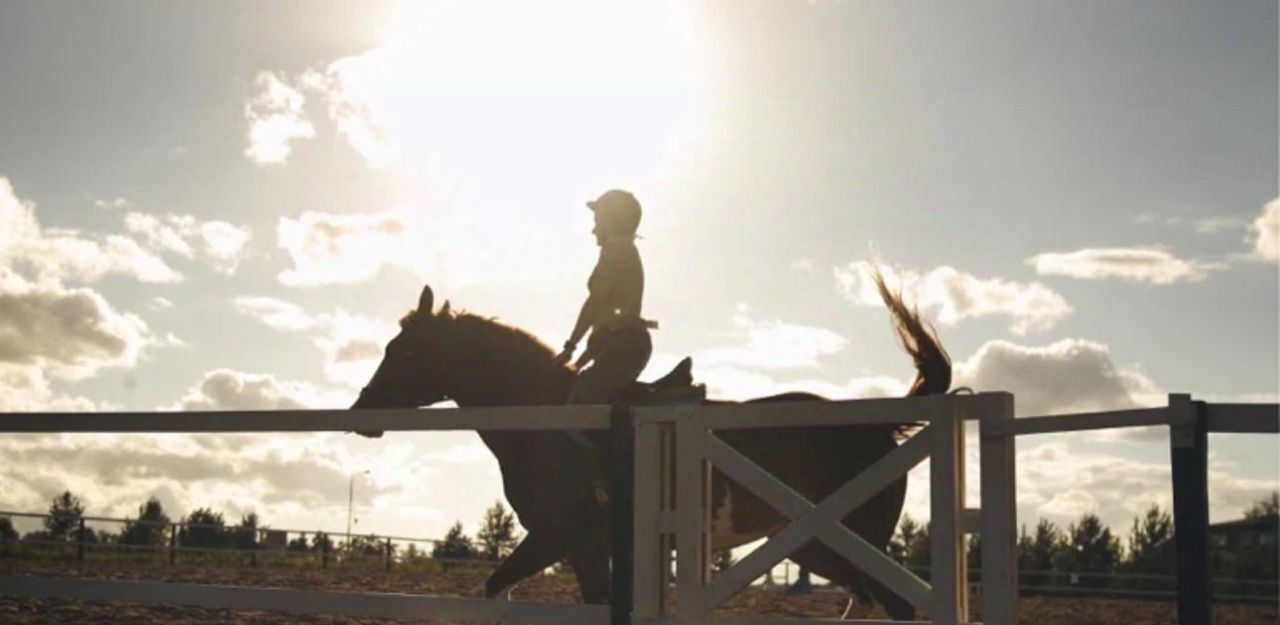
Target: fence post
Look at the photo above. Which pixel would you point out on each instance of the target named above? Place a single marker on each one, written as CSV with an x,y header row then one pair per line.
x,y
1188,451
948,603
388,547
621,512
173,545
80,541
999,516
324,552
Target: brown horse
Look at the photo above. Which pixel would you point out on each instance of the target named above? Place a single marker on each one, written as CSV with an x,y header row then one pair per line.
x,y
547,478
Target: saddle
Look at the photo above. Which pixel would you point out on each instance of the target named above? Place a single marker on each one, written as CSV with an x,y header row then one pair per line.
x,y
674,388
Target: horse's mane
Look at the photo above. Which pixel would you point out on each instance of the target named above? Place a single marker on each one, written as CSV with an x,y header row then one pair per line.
x,y
481,334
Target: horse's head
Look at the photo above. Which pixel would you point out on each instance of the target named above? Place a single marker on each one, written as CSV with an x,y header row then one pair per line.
x,y
413,371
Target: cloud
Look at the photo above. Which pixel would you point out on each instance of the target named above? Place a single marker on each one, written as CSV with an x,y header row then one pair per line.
x,y
1264,233
352,107
117,203
352,344
1136,264
949,296
775,344
218,242
275,313
328,248
1071,375
73,332
27,389
1211,225
276,118
60,254
226,389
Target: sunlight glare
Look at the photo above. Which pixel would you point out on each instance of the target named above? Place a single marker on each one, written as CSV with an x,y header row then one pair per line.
x,y
509,113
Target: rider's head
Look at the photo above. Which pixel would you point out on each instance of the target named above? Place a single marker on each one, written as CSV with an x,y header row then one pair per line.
x,y
617,215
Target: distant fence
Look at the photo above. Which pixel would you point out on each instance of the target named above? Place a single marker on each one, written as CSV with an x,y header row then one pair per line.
x,y
252,544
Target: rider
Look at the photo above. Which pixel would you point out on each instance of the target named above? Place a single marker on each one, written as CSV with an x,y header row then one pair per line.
x,y
620,346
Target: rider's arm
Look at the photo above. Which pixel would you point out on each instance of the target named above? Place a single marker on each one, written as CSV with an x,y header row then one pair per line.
x,y
600,285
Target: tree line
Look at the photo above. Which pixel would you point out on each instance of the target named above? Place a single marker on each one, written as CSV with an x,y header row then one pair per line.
x,y
205,528
1086,553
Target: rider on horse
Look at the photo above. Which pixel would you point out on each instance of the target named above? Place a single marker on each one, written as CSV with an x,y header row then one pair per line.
x,y
619,347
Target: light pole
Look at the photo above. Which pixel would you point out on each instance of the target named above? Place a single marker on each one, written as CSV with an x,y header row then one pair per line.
x,y
351,491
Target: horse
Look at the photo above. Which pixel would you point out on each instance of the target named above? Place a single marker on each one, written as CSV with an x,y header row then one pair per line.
x,y
547,477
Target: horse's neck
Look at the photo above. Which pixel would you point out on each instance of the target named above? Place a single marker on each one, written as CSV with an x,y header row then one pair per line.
x,y
515,386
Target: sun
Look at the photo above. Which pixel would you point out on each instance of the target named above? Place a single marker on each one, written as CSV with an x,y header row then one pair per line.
x,y
505,112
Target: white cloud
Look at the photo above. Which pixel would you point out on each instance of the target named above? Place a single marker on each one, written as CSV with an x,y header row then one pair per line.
x,y
276,313
218,242
72,332
949,296
276,118
1211,225
26,388
329,248
775,344
58,254
117,203
226,389
352,344
1136,264
1264,233
161,303
1071,375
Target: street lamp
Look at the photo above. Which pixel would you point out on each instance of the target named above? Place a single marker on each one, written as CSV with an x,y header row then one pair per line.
x,y
351,491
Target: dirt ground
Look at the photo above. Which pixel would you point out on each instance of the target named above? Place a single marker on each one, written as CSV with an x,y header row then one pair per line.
x,y
468,582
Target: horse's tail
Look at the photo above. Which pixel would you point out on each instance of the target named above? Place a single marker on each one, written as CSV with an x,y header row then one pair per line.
x,y
933,365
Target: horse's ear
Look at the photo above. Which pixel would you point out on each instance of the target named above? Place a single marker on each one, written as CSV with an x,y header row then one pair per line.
x,y
426,300
445,310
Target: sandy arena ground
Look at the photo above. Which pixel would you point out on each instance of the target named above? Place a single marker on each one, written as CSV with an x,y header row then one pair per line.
x,y
463,582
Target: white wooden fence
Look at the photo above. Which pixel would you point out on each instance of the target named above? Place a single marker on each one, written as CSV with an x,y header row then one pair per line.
x,y
674,448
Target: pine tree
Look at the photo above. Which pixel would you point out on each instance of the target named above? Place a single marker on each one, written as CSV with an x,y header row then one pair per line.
x,y
65,513
1091,549
149,528
1037,554
497,535
455,546
1151,546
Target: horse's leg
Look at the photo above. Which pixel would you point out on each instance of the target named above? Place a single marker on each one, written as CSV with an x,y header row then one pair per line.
x,y
536,552
899,609
591,565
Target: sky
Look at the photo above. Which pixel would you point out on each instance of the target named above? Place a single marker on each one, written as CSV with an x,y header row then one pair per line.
x,y
229,205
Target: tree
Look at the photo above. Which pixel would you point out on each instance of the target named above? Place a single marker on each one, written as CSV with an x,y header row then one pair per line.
x,y
455,546
246,533
149,528
1090,549
321,542
497,535
1151,546
910,545
1037,554
298,544
1268,506
65,513
8,535
205,529
721,560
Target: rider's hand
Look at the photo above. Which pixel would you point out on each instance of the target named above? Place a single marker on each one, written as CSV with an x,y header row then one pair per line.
x,y
564,357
